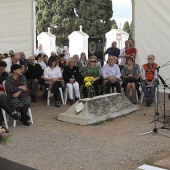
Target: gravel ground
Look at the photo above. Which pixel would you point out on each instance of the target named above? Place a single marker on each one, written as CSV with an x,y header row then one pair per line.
x,y
50,144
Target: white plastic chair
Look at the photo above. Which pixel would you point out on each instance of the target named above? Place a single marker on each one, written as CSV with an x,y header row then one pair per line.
x,y
142,96
48,95
130,94
4,114
5,118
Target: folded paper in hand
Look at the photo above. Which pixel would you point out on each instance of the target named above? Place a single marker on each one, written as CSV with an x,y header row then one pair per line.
x,y
79,107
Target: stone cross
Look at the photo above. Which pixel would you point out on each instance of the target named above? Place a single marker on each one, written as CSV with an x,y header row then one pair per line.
x,y
49,30
120,25
81,27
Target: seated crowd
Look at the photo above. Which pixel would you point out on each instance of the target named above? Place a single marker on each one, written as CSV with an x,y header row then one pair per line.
x,y
23,76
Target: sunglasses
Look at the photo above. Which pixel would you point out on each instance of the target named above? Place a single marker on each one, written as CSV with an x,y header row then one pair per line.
x,y
93,61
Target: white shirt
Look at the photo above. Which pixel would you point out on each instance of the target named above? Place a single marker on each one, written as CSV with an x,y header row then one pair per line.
x,y
39,51
67,57
122,59
9,64
42,64
108,70
52,73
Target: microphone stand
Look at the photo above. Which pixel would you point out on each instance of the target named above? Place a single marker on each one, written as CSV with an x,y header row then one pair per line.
x,y
155,129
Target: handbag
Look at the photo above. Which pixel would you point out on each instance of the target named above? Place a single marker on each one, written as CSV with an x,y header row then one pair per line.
x,y
18,83
130,79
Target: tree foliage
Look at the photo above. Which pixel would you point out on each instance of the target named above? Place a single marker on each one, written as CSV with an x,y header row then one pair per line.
x,y
65,16
126,27
131,30
114,24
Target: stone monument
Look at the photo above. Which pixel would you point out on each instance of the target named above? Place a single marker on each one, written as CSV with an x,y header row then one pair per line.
x,y
99,108
47,39
117,35
78,42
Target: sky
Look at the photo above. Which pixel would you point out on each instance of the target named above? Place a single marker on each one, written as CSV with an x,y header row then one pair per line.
x,y
122,11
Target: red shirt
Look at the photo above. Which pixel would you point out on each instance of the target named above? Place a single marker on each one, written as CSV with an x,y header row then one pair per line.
x,y
130,51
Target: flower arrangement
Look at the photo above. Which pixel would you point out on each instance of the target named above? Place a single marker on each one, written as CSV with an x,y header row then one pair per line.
x,y
4,137
89,84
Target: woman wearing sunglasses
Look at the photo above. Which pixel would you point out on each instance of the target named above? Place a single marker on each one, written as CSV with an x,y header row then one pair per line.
x,y
92,70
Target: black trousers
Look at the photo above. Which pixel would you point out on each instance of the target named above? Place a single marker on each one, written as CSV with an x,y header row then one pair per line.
x,y
96,88
55,89
3,105
33,86
23,110
109,84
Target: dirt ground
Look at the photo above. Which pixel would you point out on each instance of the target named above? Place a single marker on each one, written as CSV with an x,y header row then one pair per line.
x,y
50,144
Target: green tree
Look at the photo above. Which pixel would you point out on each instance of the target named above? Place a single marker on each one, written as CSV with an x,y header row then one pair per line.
x,y
126,27
65,16
131,30
43,15
114,24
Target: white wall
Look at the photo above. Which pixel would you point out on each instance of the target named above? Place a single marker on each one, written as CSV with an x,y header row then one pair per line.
x,y
152,32
78,44
17,30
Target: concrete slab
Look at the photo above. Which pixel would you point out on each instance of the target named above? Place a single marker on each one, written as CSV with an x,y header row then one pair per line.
x,y
98,109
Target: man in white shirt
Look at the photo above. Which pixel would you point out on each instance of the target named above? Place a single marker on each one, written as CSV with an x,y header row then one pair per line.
x,y
111,75
14,59
40,50
122,59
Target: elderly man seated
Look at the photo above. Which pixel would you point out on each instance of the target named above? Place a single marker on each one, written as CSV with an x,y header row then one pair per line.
x,y
34,76
149,79
111,75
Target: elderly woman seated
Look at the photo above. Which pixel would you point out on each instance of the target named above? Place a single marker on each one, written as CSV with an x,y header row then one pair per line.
x,y
72,78
130,76
18,94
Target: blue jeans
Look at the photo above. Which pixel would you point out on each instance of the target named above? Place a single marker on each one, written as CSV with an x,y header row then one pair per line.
x,y
148,91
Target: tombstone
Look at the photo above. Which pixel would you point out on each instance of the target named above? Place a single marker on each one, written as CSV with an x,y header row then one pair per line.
x,y
78,42
117,35
96,47
99,108
47,39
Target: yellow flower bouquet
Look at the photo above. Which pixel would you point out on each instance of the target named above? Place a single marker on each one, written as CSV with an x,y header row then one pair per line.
x,y
89,84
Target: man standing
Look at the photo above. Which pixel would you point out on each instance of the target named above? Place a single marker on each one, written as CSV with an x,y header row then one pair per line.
x,y
149,79
113,50
111,75
40,50
131,51
122,59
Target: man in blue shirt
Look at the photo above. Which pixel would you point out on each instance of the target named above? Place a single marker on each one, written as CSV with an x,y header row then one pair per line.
x,y
113,50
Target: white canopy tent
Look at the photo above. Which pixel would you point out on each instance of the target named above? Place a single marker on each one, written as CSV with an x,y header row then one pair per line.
x,y
151,29
152,32
17,30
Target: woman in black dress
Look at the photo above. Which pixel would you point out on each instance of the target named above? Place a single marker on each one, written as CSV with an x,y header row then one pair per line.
x,y
17,93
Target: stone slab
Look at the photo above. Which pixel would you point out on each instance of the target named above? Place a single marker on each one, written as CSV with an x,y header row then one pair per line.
x,y
98,109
